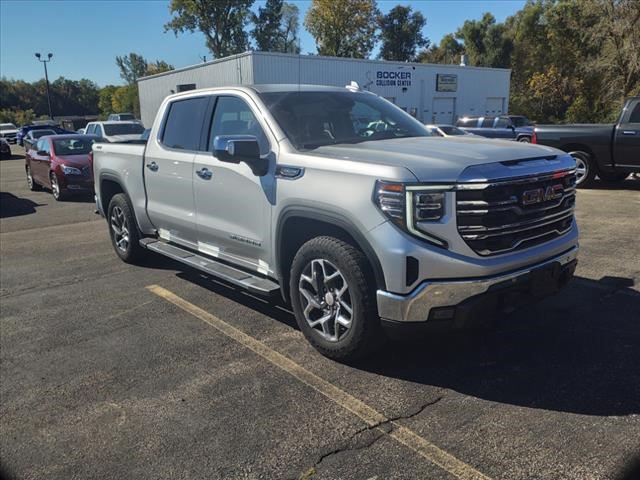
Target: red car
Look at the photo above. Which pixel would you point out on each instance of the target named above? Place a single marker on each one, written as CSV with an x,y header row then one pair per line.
x,y
61,163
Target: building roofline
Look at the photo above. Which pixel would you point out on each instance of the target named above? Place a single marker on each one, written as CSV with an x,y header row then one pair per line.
x,y
320,57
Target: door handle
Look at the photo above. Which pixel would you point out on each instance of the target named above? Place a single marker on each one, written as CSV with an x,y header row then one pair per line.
x,y
153,166
204,173
628,132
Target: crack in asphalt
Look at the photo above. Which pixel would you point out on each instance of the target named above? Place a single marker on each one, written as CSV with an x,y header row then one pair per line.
x,y
384,427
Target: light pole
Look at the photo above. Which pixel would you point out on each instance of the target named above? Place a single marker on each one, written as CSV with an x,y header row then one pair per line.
x,y
46,78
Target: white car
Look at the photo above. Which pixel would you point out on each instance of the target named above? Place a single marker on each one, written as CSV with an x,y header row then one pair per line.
x,y
447,130
9,132
115,131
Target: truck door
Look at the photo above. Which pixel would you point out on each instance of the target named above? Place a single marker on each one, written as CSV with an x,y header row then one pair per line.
x,y
233,206
626,148
168,170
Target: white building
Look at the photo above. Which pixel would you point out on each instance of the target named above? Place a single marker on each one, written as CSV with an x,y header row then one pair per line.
x,y
432,93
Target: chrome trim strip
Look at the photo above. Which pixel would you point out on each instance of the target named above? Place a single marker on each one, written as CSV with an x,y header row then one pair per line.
x,y
521,241
516,181
416,306
529,224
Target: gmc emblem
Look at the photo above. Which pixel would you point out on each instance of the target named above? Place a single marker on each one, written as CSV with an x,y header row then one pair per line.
x,y
539,195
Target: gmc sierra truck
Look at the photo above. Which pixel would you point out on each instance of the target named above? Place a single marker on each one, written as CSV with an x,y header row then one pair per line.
x,y
610,151
344,205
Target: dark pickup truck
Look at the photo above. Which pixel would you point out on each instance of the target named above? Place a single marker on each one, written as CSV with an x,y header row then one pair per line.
x,y
610,151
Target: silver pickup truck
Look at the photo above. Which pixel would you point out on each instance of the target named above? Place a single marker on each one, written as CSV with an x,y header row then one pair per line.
x,y
346,206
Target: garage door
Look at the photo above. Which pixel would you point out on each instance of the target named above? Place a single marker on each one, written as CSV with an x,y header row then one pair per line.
x,y
494,106
444,110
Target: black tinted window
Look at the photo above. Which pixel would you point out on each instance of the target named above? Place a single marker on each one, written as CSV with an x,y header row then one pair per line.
x,y
487,122
635,115
184,123
234,117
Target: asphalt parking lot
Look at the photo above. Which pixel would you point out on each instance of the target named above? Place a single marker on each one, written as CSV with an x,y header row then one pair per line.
x,y
114,371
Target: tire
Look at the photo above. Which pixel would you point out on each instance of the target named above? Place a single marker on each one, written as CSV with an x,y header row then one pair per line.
x,y
123,230
31,183
58,193
612,176
524,139
343,282
585,169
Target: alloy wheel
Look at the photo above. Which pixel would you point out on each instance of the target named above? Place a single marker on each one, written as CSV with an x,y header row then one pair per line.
x,y
55,187
582,169
325,298
29,178
120,228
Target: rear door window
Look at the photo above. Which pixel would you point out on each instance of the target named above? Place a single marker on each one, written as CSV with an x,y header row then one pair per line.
x,y
487,122
183,124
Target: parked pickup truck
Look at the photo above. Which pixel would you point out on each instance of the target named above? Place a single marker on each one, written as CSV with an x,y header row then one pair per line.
x,y
610,151
345,205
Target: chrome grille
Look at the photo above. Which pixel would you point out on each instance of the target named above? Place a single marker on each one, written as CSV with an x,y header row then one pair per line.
x,y
503,216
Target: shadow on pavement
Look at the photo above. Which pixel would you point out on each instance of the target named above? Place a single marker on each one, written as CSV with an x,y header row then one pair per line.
x,y
577,351
630,183
12,206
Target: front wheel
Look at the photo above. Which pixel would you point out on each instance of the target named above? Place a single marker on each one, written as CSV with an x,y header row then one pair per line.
x,y
31,183
585,169
123,231
524,139
58,193
333,300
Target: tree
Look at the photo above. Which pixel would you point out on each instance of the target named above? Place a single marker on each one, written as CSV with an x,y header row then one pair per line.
x,y
132,67
158,66
486,42
343,28
266,32
276,27
222,23
401,34
448,51
105,100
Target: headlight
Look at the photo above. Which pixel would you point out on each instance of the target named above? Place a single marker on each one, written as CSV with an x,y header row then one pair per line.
x,y
70,170
412,207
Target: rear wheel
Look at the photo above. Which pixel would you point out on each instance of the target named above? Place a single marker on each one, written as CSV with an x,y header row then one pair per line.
x,y
585,169
123,231
332,298
524,139
31,183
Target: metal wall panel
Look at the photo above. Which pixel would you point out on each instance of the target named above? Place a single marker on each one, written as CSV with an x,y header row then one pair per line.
x,y
411,86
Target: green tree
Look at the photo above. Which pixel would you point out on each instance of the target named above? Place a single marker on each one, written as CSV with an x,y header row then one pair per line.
x,y
105,100
448,51
345,28
222,22
486,42
132,67
276,27
158,66
401,34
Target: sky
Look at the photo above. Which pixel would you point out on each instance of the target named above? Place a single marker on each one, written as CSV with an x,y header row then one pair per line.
x,y
86,35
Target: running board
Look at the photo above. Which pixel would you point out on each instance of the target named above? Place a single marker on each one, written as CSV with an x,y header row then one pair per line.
x,y
253,283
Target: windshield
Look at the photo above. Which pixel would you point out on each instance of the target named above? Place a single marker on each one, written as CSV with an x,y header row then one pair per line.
x,y
72,146
7,126
123,129
313,119
41,133
451,130
125,116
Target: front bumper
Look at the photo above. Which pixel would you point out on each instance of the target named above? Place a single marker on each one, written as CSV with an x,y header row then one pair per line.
x,y
451,300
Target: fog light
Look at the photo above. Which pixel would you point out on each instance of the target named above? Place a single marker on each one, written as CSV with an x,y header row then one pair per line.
x,y
440,314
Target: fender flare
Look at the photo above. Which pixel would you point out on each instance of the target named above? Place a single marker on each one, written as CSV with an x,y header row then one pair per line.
x,y
336,219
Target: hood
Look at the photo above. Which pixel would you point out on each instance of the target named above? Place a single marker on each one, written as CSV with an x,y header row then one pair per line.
x,y
77,161
123,138
436,159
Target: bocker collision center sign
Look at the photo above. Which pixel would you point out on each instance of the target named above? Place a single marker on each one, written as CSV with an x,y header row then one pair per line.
x,y
393,78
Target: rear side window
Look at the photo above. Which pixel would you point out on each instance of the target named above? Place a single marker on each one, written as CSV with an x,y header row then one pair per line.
x,y
635,115
487,122
184,122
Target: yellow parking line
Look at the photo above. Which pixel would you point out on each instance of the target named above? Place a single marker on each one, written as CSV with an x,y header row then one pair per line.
x,y
370,416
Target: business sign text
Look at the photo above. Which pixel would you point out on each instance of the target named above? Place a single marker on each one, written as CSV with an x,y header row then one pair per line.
x,y
393,78
446,83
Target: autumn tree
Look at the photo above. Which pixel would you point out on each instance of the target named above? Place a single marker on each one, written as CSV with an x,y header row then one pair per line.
x,y
222,22
401,34
448,51
343,28
486,42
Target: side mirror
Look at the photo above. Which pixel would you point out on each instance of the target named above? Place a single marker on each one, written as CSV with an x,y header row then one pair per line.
x,y
42,153
240,148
